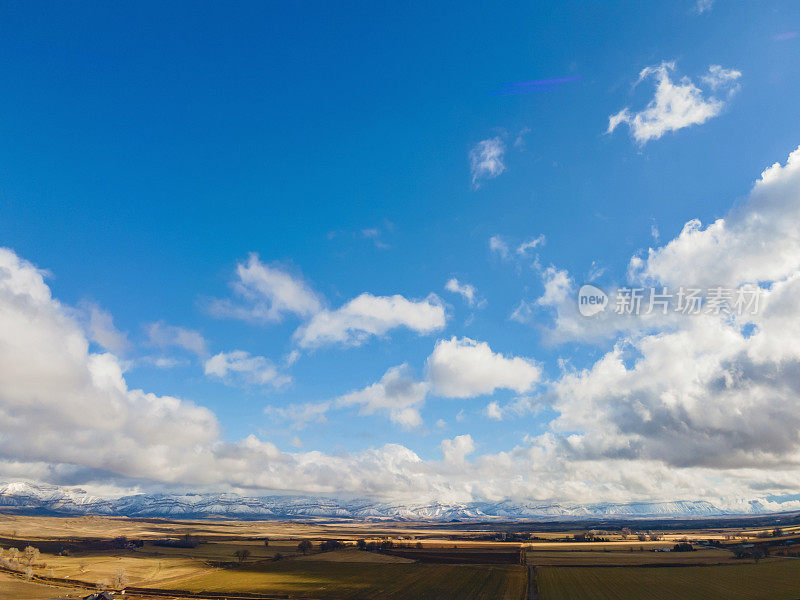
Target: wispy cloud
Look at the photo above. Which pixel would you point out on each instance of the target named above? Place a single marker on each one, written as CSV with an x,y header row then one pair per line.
x,y
498,246
703,6
486,160
531,244
240,367
266,293
465,290
676,104
162,335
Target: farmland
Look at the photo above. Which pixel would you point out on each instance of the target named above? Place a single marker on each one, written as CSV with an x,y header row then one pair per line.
x,y
368,580
775,579
346,560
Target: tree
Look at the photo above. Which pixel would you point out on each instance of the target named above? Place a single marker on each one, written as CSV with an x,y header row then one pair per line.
x,y
242,555
30,555
419,545
304,546
361,544
777,532
277,556
120,579
329,545
266,542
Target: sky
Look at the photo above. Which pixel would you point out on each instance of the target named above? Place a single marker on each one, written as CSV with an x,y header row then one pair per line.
x,y
339,249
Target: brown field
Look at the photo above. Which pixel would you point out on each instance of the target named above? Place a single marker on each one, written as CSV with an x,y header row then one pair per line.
x,y
367,581
703,556
13,588
453,562
771,579
353,555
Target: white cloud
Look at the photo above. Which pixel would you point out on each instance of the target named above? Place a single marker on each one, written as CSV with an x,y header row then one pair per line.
x,y
101,330
398,393
719,77
162,335
712,397
498,245
758,241
241,367
703,6
522,313
455,451
493,411
267,293
464,368
466,290
50,382
369,315
531,244
520,406
705,408
374,234
300,415
676,105
486,160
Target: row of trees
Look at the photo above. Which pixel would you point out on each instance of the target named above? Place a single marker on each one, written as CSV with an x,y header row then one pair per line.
x,y
25,560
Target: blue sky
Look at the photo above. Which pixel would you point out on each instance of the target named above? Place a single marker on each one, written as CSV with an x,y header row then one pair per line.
x,y
149,150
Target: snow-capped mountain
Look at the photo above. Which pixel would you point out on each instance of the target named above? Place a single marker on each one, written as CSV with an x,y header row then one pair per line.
x,y
20,496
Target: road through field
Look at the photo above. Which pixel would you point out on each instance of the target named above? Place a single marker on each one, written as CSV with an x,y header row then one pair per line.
x,y
533,587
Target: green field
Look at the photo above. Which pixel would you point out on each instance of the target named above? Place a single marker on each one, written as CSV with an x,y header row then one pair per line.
x,y
773,579
324,579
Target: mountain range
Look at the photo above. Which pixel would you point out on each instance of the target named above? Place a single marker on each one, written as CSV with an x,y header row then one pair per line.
x,y
45,499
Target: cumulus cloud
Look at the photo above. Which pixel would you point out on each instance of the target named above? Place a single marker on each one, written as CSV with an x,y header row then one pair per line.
x,y
368,315
239,366
705,408
758,241
266,293
162,335
464,368
486,160
398,393
50,382
711,391
456,450
676,104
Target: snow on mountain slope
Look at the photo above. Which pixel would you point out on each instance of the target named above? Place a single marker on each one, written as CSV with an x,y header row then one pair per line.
x,y
20,496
